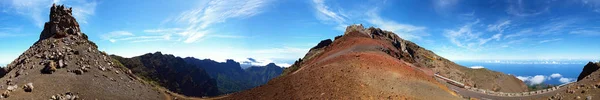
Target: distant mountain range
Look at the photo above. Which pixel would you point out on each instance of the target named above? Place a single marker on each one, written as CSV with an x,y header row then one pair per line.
x,y
232,78
195,77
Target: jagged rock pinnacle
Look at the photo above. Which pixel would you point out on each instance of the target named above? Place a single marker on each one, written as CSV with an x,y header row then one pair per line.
x,y
61,23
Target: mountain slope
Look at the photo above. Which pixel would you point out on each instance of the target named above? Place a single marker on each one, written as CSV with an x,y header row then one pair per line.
x,y
587,85
356,65
172,73
374,64
63,63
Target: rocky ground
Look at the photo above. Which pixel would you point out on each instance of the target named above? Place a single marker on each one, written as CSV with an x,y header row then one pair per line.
x,y
587,86
64,65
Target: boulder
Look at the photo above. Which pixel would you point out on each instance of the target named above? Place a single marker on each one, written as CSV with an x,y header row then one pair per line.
x,y
61,64
50,67
66,96
12,87
78,71
28,87
5,94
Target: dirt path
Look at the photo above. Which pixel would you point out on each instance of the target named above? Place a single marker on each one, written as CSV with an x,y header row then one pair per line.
x,y
467,93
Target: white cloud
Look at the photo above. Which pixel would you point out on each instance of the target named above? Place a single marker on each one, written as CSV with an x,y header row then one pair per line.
x,y
262,62
330,15
115,34
467,37
283,64
163,30
216,11
37,9
519,8
444,6
537,79
324,13
327,15
565,80
524,78
82,9
593,4
405,31
476,67
558,25
518,34
262,56
586,32
555,75
485,40
499,27
551,40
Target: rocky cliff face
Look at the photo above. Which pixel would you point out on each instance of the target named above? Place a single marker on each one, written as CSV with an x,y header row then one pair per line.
x,y
588,69
63,64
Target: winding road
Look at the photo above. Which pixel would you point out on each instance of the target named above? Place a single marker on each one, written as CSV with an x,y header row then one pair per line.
x,y
473,94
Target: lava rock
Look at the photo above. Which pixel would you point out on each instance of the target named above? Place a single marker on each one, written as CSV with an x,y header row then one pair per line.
x,y
61,64
12,88
6,94
78,71
66,96
50,67
323,43
28,87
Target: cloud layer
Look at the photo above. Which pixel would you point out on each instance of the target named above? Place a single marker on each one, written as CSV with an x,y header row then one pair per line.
x,y
539,79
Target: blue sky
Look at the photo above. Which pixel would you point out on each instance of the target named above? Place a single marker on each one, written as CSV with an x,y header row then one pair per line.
x,y
282,31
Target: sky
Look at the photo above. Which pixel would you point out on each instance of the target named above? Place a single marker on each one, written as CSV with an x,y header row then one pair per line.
x,y
281,31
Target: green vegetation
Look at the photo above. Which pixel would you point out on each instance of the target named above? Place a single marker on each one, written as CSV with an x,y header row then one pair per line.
x,y
540,86
171,73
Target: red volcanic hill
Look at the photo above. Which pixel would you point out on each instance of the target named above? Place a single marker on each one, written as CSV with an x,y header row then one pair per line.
x,y
374,64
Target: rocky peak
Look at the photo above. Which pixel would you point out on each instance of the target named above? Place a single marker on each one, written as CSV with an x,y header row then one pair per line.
x,y
271,65
61,23
588,69
323,43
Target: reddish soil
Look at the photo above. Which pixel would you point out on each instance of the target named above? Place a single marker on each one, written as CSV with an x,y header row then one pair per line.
x,y
353,67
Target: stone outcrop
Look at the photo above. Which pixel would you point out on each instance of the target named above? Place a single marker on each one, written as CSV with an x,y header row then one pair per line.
x,y
323,43
61,23
588,69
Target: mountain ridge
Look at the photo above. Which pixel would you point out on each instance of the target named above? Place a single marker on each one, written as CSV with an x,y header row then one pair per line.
x,y
212,78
